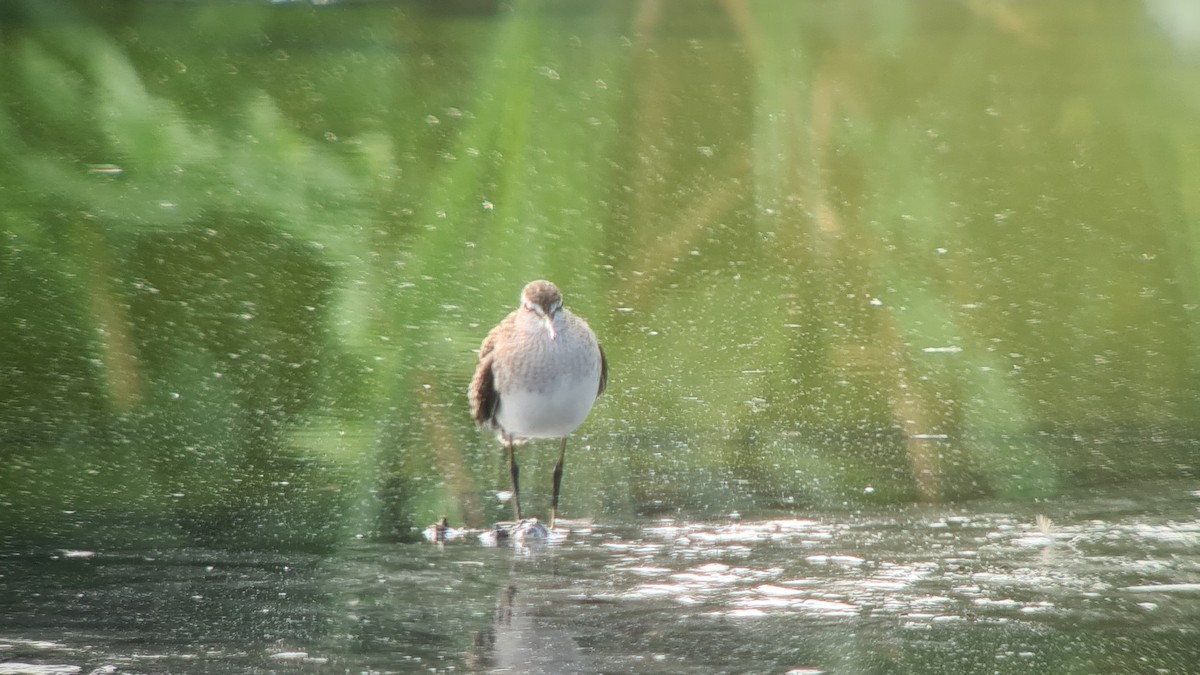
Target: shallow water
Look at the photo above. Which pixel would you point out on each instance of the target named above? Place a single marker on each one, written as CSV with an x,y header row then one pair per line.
x,y
1097,582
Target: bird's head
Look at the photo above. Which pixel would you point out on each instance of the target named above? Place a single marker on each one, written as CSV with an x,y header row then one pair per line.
x,y
545,301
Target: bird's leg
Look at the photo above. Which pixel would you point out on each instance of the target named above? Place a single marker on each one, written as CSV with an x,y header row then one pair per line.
x,y
562,449
515,472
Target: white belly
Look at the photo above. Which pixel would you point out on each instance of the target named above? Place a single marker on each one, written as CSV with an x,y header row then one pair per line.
x,y
552,413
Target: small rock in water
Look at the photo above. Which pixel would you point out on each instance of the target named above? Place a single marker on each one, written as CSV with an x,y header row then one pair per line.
x,y
441,531
530,528
527,531
438,530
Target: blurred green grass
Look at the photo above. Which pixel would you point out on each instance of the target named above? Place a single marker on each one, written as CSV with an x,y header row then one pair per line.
x,y
248,251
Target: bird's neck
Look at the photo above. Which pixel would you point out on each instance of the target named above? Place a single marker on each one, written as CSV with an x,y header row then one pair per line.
x,y
532,323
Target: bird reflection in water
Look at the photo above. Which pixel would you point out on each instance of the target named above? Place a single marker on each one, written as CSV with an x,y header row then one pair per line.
x,y
522,639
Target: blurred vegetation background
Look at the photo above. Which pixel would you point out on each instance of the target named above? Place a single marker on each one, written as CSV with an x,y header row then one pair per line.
x,y
837,253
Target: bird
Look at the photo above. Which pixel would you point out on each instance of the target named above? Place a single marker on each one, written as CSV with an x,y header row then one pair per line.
x,y
539,373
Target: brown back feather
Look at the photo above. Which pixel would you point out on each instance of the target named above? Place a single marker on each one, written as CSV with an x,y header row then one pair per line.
x,y
603,370
485,400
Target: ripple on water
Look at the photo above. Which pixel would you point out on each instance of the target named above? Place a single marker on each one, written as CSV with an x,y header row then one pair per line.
x,y
926,571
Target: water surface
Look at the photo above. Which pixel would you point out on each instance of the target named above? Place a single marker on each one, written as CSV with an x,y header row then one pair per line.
x,y
1091,583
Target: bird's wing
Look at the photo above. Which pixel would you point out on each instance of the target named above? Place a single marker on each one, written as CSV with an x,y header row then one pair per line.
x,y
483,395
603,371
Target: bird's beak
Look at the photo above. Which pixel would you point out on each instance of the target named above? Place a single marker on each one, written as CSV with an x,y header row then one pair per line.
x,y
548,322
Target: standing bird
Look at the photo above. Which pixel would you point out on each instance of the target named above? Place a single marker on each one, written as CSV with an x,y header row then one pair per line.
x,y
540,370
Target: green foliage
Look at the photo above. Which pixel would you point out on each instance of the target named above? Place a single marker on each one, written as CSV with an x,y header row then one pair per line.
x,y
245,246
